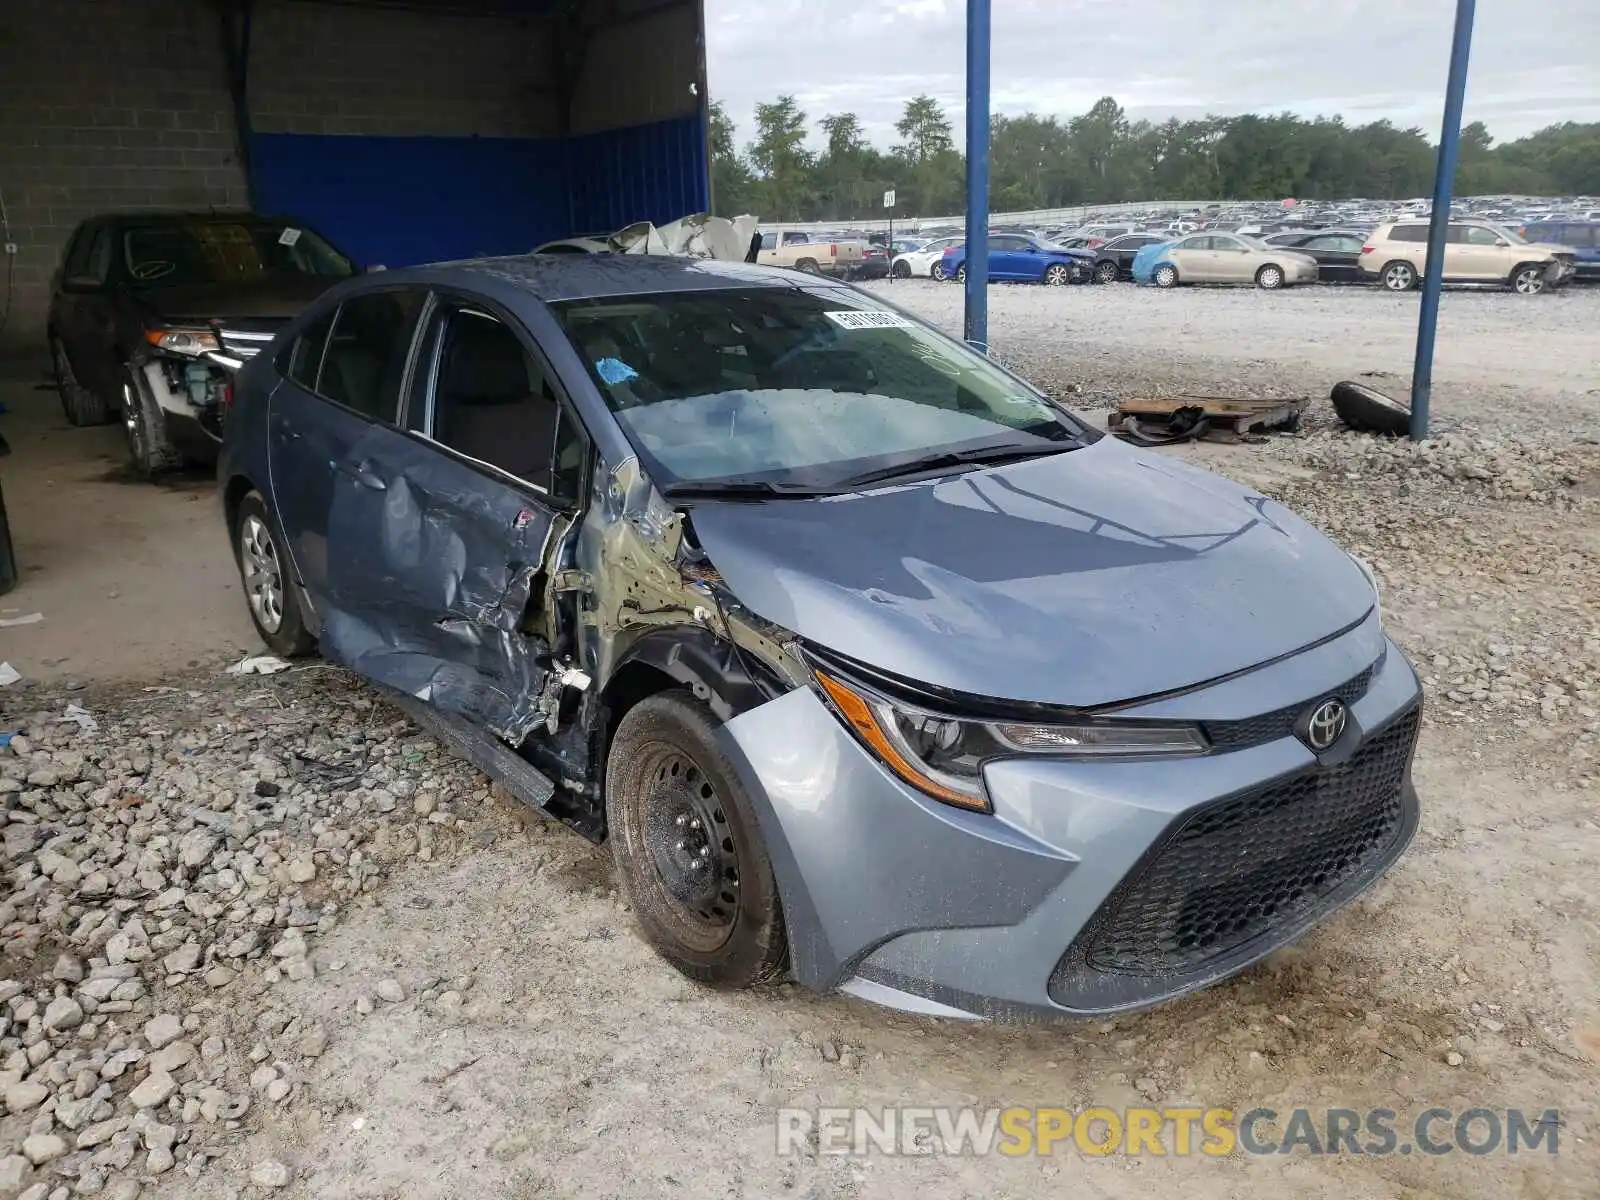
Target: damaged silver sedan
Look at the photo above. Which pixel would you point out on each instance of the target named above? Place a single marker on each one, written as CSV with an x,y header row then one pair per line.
x,y
873,665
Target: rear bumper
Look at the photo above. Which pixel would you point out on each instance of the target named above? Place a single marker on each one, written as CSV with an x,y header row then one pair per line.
x,y
1093,887
867,270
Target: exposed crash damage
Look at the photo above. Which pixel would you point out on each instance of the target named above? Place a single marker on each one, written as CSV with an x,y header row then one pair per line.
x,y
870,664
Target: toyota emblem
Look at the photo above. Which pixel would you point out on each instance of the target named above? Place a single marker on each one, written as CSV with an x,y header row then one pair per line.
x,y
1326,724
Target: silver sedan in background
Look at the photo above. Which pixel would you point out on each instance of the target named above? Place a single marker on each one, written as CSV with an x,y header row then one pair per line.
x,y
1231,258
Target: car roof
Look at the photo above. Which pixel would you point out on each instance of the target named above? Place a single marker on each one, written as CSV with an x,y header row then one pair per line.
x,y
553,278
167,216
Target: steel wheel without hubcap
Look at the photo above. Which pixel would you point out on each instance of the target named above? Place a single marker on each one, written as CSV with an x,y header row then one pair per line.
x,y
1106,272
1269,277
1529,281
691,848
258,564
1399,277
1058,275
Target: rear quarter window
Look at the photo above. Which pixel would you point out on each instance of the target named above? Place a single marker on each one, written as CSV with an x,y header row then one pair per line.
x,y
1409,233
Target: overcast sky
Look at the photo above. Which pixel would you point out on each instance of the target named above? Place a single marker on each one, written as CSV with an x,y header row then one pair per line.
x,y
1534,62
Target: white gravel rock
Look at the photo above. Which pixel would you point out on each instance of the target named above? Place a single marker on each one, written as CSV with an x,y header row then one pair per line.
x,y
271,1174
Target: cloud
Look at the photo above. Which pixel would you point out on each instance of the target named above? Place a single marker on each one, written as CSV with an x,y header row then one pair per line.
x,y
1532,64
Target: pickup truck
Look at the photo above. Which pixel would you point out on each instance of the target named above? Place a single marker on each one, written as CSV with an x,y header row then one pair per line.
x,y
797,250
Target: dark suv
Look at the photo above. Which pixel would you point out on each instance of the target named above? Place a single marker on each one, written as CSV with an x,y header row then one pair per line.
x,y
1582,236
152,313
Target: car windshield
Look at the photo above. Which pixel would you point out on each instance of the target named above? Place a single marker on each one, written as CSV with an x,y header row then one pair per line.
x,y
173,254
797,387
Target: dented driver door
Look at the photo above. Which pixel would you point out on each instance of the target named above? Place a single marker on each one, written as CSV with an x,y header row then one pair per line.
x,y
440,531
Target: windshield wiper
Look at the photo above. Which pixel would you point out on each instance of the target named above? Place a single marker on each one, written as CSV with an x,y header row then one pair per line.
x,y
743,489
983,456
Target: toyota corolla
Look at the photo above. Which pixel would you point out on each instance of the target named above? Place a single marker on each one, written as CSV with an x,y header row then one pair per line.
x,y
874,666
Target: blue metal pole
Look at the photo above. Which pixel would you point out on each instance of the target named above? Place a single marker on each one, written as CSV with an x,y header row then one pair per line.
x,y
977,318
1439,225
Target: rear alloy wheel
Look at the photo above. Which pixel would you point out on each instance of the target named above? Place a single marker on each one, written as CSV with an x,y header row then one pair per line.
x,y
1269,277
807,267
81,405
1105,272
1166,276
902,270
1399,277
268,587
937,271
1058,275
1528,280
688,847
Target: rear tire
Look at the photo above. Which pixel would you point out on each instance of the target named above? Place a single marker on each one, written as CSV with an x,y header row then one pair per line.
x,y
1270,277
82,407
1399,277
1165,276
807,267
937,271
961,273
688,846
269,587
1105,272
1528,279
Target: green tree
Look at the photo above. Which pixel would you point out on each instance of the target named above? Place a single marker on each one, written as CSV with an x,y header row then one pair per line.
x,y
926,131
733,190
780,158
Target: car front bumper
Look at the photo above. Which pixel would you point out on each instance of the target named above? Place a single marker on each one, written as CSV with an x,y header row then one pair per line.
x,y
1093,887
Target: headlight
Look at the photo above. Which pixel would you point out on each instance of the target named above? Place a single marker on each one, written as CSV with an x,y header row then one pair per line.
x,y
191,343
944,756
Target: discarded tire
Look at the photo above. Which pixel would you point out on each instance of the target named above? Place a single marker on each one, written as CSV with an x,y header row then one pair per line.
x,y
1367,411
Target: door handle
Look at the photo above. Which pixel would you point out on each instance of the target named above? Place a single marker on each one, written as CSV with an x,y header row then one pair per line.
x,y
363,474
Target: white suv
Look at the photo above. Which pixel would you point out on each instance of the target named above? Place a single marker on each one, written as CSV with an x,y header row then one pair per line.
x,y
1475,252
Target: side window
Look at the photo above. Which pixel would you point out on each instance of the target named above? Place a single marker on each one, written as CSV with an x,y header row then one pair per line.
x,y
1409,233
769,241
795,239
76,260
366,353
100,255
492,402
305,356
1477,235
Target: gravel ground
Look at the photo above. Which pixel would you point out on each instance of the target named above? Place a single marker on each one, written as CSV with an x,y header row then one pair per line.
x,y
1536,358
262,937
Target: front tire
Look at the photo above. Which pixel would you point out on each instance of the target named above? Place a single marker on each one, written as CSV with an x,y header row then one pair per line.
x,y
1399,277
269,587
902,270
1270,277
82,407
145,429
1057,275
961,273
1166,276
688,847
1105,272
937,271
1528,279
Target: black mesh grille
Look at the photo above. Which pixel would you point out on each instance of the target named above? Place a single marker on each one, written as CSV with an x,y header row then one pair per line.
x,y
1237,868
1268,727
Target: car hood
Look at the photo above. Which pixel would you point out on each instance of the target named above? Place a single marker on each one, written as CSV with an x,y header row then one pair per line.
x,y
222,301
1083,579
1555,248
1079,255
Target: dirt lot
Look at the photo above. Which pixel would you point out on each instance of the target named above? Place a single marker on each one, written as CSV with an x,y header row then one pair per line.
x,y
466,1011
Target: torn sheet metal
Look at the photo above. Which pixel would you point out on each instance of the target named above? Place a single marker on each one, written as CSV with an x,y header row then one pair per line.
x,y
700,235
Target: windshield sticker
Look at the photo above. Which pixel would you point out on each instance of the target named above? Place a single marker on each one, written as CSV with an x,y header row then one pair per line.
x,y
869,319
614,371
288,237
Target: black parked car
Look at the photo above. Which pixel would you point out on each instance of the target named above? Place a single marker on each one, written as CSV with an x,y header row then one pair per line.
x,y
1335,250
1114,260
152,313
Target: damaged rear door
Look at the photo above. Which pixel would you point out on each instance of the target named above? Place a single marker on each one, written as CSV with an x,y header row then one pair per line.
x,y
441,538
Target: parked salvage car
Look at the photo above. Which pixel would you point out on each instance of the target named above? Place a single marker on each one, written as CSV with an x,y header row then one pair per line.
x,y
1222,258
926,260
1114,260
1017,259
871,663
1334,250
1582,236
814,254
1475,252
151,314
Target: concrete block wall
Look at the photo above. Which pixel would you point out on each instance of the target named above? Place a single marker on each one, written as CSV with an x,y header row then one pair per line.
x,y
324,68
104,106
